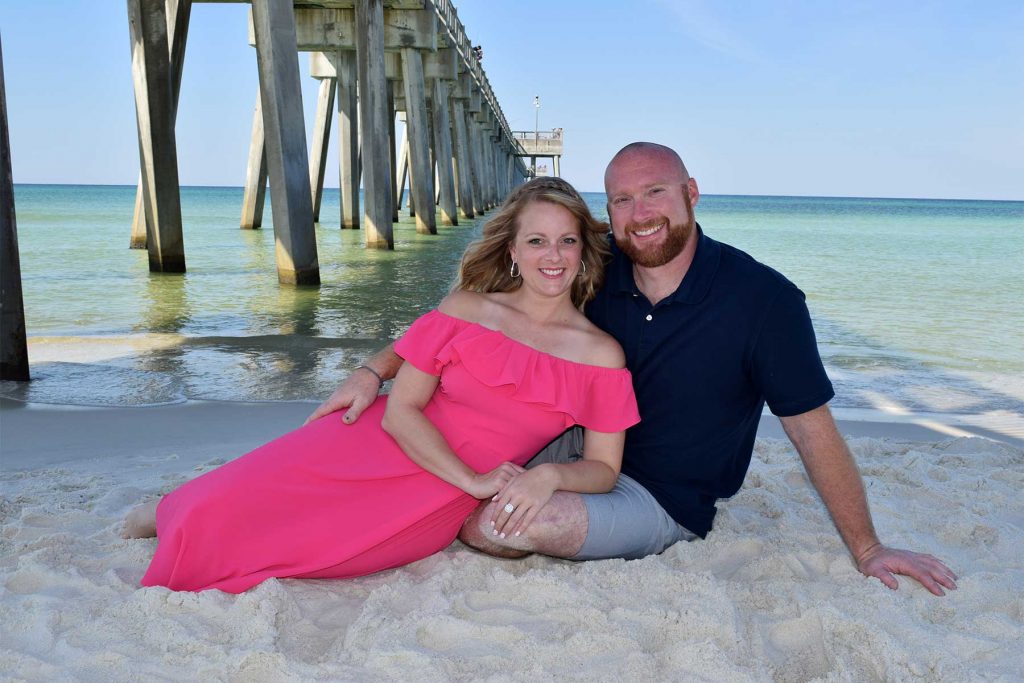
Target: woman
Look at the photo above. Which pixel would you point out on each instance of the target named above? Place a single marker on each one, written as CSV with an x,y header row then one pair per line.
x,y
504,364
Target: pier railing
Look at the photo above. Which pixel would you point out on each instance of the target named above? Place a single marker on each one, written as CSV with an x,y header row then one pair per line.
x,y
456,32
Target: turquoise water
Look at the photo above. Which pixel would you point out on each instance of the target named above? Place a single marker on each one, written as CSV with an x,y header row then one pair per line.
x,y
916,302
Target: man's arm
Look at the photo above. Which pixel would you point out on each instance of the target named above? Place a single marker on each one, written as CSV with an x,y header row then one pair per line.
x,y
360,389
834,474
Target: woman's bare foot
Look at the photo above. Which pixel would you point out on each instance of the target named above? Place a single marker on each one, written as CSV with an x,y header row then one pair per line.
x,y
141,522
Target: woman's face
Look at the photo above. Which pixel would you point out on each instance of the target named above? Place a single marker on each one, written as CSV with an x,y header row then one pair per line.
x,y
548,248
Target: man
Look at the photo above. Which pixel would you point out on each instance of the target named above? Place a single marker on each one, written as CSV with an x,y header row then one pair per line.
x,y
710,335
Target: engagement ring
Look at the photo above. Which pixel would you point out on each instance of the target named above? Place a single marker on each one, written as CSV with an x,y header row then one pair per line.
x,y
510,508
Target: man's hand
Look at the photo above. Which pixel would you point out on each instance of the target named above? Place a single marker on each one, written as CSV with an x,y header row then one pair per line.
x,y
834,474
882,562
356,393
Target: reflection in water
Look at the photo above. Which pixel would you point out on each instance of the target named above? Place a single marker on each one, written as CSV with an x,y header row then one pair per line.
x,y
166,305
165,311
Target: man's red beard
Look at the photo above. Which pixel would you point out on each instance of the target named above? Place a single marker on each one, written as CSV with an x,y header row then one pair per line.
x,y
652,257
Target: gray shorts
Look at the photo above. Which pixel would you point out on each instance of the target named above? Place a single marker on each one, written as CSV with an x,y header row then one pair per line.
x,y
627,522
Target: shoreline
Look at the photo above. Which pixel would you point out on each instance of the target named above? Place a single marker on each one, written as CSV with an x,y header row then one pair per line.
x,y
204,428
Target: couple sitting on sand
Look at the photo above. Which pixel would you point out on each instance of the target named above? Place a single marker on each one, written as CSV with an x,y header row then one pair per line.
x,y
703,334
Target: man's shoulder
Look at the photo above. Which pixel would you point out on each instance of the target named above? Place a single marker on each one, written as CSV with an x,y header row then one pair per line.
x,y
740,268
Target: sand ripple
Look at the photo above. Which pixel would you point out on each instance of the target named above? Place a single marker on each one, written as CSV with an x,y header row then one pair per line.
x,y
771,595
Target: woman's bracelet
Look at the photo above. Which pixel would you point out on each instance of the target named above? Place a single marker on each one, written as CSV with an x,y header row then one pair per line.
x,y
380,380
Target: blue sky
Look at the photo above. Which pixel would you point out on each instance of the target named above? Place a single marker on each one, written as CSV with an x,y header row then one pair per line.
x,y
791,97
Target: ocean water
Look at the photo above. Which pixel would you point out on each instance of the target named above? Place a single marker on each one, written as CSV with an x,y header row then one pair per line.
x,y
917,303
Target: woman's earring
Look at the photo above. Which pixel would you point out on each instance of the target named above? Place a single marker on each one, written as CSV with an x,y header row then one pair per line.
x,y
513,272
584,263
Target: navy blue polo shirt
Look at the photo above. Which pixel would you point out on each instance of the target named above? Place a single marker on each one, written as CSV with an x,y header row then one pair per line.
x,y
705,359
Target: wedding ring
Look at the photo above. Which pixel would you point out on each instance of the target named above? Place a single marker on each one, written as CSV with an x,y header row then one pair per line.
x,y
509,508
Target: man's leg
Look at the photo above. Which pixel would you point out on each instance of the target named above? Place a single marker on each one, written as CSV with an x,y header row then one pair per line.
x,y
626,523
559,530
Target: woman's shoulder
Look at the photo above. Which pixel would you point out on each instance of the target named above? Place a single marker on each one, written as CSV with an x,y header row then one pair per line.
x,y
591,345
577,339
469,306
599,348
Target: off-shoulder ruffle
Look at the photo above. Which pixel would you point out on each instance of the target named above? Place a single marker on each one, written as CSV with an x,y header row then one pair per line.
x,y
598,398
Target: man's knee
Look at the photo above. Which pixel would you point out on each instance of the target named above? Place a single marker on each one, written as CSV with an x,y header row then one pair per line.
x,y
476,532
559,529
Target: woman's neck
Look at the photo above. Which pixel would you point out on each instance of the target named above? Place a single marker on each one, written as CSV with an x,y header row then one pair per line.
x,y
541,310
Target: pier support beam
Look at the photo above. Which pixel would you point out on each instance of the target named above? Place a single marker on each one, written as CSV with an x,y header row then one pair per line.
x,y
463,169
391,152
443,153
290,195
255,173
487,145
321,140
510,172
422,185
475,166
373,111
13,343
154,108
178,13
348,138
403,172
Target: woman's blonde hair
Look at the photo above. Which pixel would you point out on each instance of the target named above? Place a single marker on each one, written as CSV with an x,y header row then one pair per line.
x,y
486,263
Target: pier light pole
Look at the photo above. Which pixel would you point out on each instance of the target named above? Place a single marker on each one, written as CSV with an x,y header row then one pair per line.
x,y
536,130
536,119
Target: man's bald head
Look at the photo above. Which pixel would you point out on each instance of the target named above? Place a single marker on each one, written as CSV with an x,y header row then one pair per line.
x,y
640,151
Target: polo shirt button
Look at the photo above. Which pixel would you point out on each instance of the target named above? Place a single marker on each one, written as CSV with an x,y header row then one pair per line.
x,y
650,317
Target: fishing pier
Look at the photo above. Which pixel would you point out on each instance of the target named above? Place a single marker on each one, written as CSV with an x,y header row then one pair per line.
x,y
376,60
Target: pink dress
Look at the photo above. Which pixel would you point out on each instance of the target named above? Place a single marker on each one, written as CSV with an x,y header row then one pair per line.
x,y
331,500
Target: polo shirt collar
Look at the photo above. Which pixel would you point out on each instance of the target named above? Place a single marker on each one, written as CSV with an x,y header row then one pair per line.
x,y
696,283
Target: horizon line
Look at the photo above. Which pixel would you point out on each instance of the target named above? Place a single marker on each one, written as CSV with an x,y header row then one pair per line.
x,y
708,194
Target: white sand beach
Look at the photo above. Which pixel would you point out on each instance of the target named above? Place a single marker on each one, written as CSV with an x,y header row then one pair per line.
x,y
770,595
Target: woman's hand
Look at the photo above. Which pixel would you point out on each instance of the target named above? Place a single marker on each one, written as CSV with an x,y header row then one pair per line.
x,y
488,484
527,493
359,390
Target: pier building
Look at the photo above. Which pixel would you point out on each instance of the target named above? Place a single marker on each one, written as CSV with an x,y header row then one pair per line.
x,y
541,144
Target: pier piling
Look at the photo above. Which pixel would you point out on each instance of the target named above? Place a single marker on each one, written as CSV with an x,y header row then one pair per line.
x,y
255,173
392,114
177,13
154,109
321,139
419,145
285,142
373,112
376,59
13,342
463,168
443,153
348,137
